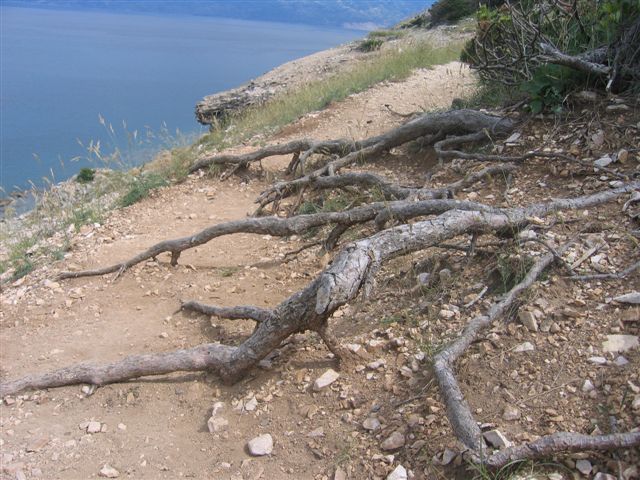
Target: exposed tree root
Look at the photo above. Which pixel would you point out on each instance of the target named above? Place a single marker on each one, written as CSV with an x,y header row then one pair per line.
x,y
352,270
459,413
295,225
562,442
608,276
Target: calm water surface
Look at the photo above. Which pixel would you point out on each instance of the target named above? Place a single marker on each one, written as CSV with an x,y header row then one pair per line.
x,y
60,72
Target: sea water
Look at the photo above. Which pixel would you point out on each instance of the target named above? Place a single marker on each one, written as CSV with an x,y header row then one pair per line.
x,y
71,79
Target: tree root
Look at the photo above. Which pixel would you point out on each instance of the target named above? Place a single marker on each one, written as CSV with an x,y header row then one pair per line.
x,y
459,413
291,226
309,309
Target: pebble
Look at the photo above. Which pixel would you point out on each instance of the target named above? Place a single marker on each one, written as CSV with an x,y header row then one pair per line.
x,y
326,379
603,161
94,427
393,441
620,361
424,279
377,364
261,445
528,319
587,386
524,347
584,467
109,472
444,275
597,360
399,473
511,413
372,424
620,343
604,476
447,314
496,439
251,404
217,422
37,444
339,474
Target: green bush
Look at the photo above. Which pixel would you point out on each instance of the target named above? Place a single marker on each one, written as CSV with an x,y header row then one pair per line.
x,y
86,175
507,48
370,44
449,11
141,186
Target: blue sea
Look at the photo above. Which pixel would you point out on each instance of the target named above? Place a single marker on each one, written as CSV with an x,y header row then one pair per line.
x,y
71,79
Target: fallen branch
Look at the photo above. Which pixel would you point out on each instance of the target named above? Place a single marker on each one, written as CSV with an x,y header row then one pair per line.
x,y
608,276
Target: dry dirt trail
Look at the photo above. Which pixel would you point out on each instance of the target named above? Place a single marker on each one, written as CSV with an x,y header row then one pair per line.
x,y
158,428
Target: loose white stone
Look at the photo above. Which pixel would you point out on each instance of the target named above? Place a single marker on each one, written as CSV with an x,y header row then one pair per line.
x,y
584,467
399,473
604,476
620,343
109,472
217,422
326,379
261,445
251,404
393,442
597,360
511,413
94,427
524,347
528,320
620,361
587,386
376,364
372,424
496,439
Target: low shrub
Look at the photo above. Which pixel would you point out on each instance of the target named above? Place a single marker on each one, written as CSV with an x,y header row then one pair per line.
x,y
86,175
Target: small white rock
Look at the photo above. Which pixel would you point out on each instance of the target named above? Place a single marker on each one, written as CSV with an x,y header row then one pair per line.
x,y
587,386
326,379
399,473
393,441
597,360
511,413
620,343
372,424
261,445
524,347
584,467
94,427
496,439
528,320
109,472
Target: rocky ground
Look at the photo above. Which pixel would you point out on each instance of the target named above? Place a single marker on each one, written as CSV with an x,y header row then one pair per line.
x,y
567,360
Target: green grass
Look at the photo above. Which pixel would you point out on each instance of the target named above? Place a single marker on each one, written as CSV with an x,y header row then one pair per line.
x,y
141,186
370,44
391,65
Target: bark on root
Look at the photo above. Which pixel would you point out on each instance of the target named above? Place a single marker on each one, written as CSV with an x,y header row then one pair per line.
x,y
459,413
295,225
352,271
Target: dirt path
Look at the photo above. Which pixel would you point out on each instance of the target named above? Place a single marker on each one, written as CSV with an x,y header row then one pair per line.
x,y
523,380
158,429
